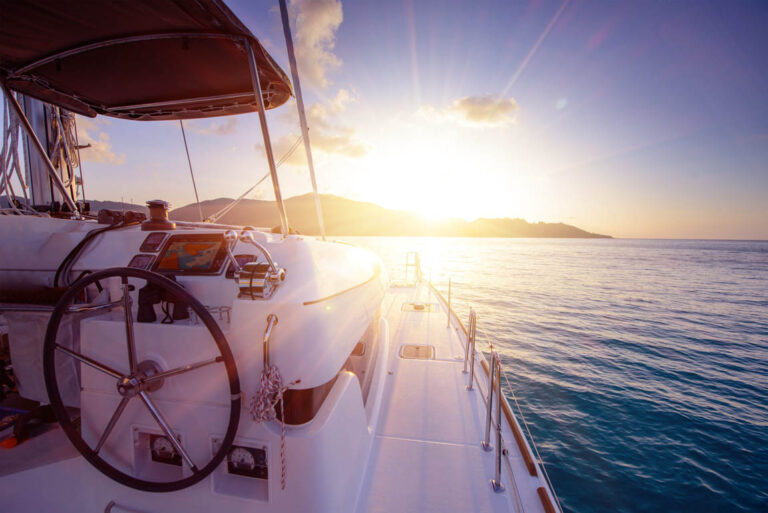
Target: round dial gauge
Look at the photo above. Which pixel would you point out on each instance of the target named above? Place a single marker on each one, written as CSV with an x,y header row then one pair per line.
x,y
161,446
241,458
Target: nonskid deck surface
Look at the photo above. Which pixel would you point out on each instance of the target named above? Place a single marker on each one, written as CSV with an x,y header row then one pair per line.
x,y
426,454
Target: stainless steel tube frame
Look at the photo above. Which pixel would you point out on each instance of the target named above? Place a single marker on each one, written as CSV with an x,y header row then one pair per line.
x,y
265,135
230,238
277,274
471,348
50,168
271,323
486,443
496,483
448,323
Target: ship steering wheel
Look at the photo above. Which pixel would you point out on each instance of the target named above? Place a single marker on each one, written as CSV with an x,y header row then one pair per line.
x,y
137,380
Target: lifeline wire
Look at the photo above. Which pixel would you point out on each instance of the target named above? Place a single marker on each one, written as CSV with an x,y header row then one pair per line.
x,y
215,217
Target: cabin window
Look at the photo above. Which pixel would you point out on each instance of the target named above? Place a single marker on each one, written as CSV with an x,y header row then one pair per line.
x,y
362,359
301,406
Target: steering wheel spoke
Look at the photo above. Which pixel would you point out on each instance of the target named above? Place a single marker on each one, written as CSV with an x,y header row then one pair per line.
x,y
129,338
90,362
155,411
182,370
111,423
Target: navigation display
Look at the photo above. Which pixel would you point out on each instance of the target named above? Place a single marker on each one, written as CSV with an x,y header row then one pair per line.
x,y
192,254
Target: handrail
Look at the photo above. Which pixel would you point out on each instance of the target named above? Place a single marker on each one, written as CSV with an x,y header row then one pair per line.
x,y
517,432
271,323
530,464
22,307
416,264
447,322
496,483
469,350
486,443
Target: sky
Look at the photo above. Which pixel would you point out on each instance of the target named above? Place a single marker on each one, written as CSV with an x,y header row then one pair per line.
x,y
630,118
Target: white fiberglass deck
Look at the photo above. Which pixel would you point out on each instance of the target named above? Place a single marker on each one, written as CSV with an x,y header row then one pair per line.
x,y
427,455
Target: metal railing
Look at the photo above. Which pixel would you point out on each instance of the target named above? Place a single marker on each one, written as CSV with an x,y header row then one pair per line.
x,y
414,264
496,483
495,375
469,349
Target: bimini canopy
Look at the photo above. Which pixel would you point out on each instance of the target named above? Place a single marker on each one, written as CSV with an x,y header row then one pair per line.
x,y
136,59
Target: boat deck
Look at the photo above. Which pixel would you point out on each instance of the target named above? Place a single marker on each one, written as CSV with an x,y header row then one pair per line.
x,y
427,455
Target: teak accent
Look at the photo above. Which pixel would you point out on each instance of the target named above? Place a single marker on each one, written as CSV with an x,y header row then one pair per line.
x,y
545,501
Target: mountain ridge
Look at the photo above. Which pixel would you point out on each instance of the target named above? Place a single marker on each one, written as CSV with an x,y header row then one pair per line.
x,y
343,216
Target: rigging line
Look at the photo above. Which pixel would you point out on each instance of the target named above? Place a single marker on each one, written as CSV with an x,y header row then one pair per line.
x,y
213,218
191,173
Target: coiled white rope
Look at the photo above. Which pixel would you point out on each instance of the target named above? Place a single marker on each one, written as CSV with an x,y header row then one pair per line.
x,y
262,407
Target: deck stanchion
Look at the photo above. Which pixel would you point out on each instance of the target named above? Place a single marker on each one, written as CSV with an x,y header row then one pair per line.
x,y
471,348
486,443
448,323
496,483
468,341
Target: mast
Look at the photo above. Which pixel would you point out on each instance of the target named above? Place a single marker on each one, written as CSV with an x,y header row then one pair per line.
x,y
302,115
43,167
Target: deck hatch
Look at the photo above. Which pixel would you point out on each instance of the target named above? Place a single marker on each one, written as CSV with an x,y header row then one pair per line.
x,y
419,307
417,352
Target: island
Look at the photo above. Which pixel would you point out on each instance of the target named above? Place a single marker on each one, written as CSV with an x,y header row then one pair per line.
x,y
348,217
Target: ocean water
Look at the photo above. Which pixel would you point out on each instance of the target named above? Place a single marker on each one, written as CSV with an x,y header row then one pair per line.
x,y
641,365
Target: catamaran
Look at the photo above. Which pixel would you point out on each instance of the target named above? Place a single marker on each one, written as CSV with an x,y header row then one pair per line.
x,y
206,367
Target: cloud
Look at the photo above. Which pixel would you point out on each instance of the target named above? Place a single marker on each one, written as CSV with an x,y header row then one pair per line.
x,y
342,144
224,127
487,110
101,146
326,135
316,23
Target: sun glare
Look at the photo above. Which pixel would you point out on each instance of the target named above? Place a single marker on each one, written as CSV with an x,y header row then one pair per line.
x,y
442,174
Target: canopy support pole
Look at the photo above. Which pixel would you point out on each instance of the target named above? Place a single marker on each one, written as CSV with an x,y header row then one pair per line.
x,y
52,174
265,134
191,173
302,115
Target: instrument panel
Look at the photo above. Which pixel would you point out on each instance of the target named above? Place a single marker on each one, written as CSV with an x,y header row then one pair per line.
x,y
192,254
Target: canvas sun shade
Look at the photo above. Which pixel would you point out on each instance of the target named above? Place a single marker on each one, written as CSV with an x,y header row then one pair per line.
x,y
136,59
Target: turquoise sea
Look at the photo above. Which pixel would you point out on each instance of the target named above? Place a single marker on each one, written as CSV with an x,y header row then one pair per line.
x,y
641,365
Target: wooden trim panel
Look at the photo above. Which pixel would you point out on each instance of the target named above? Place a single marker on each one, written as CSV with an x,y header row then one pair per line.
x,y
545,500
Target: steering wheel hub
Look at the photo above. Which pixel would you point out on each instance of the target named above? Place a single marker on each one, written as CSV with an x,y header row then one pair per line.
x,y
141,380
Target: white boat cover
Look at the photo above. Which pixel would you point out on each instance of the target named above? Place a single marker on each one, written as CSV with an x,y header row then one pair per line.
x,y
138,59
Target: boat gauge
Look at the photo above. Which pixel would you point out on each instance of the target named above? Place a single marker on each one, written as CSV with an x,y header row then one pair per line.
x,y
248,462
163,450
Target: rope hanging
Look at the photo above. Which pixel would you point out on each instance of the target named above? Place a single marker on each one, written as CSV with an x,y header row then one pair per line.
x,y
262,407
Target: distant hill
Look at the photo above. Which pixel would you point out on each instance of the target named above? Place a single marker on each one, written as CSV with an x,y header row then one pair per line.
x,y
348,217
116,205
